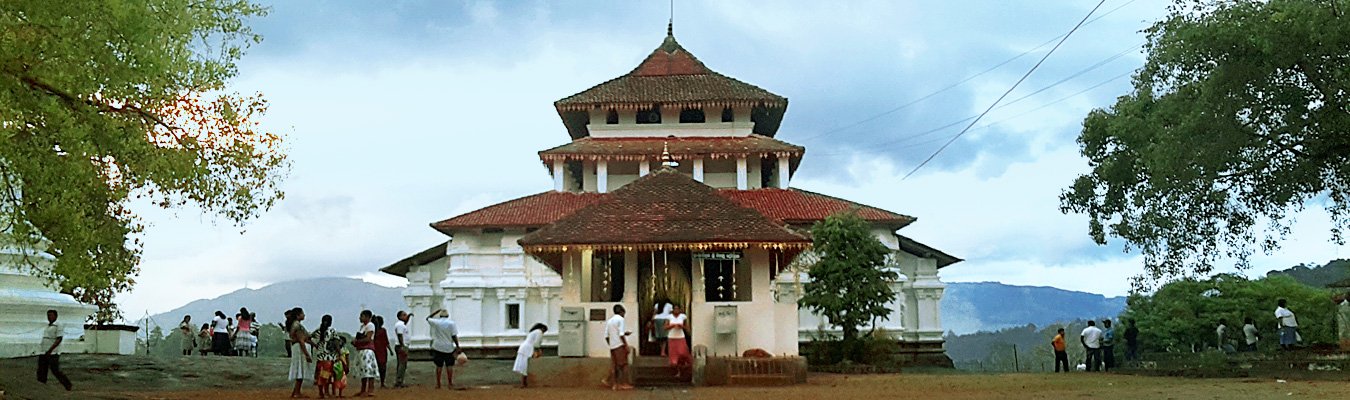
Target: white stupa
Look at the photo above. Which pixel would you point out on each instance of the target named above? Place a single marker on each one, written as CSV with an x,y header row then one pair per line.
x,y
24,301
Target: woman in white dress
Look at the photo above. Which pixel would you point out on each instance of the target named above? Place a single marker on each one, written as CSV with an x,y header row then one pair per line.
x,y
529,348
367,368
302,364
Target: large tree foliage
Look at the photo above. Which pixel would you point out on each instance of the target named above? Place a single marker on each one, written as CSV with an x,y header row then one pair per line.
x,y
850,284
1240,116
1183,314
105,102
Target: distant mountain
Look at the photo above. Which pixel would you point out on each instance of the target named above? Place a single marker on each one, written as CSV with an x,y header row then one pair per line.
x,y
1315,275
990,306
343,298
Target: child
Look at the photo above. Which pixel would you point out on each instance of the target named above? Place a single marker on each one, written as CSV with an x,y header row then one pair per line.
x,y
340,372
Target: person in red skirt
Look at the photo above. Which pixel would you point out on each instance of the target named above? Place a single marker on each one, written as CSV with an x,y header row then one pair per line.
x,y
677,341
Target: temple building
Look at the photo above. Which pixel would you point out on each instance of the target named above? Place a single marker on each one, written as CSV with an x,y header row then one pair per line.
x,y
674,188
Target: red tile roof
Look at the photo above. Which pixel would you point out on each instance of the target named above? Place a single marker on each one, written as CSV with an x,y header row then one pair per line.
x,y
665,206
530,211
796,206
680,148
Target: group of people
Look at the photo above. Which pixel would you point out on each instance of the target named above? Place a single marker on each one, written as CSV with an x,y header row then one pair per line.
x,y
1099,343
222,336
322,355
666,328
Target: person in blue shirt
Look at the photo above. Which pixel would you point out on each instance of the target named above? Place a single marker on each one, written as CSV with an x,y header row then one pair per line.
x,y
1108,346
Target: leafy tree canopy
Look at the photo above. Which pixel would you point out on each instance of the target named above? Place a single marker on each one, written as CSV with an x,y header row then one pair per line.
x,y
850,284
1240,116
103,103
1185,313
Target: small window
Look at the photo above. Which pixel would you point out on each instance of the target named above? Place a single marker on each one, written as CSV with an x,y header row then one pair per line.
x,y
649,116
513,316
606,276
728,115
612,118
691,116
725,280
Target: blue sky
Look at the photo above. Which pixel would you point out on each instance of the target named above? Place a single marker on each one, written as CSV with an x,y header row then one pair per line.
x,y
397,115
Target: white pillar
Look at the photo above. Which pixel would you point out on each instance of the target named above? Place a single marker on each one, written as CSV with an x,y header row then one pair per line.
x,y
558,176
643,168
602,176
698,169
783,174
742,175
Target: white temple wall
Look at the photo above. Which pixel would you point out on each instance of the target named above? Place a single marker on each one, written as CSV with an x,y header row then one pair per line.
x,y
24,301
756,322
670,124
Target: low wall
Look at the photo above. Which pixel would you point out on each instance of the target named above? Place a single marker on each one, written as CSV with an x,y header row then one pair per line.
x,y
738,371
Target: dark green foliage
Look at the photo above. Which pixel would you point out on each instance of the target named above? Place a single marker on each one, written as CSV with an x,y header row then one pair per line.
x,y
1182,315
850,284
1239,117
1315,275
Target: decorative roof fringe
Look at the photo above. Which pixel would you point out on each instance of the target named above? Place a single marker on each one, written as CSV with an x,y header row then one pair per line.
x,y
705,246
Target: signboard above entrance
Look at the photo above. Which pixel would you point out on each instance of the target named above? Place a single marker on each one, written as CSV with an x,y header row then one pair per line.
x,y
718,256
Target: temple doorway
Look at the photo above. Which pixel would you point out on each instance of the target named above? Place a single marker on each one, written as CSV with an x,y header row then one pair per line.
x,y
663,277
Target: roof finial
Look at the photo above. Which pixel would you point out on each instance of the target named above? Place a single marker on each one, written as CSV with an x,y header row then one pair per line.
x,y
666,159
670,26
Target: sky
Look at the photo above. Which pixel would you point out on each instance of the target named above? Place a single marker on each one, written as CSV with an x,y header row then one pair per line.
x,y
401,114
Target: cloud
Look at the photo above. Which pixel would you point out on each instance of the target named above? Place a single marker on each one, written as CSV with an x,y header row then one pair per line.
x,y
401,114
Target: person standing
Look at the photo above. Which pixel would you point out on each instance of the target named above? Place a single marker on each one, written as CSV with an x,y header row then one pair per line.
x,y
243,333
302,363
1092,344
366,368
382,348
204,339
185,329
677,342
327,346
529,348
1221,336
1108,346
616,336
1288,325
220,334
1061,351
444,345
50,359
1250,333
1132,342
401,335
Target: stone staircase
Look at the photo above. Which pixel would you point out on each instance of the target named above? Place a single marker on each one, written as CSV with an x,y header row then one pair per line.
x,y
651,371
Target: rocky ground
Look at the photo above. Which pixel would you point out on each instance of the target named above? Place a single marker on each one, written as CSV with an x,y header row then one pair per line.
x,y
141,377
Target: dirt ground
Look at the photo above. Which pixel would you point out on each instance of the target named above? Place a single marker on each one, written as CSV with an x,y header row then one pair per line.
x,y
222,379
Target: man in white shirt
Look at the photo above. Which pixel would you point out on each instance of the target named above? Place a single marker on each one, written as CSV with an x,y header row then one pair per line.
x,y
50,359
402,333
1288,326
444,345
616,335
1252,336
1092,343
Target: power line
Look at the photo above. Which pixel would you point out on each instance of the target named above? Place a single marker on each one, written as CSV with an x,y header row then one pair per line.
x,y
873,148
959,83
1005,94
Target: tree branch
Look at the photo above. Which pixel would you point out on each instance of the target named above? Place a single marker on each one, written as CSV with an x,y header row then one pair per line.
x,y
103,107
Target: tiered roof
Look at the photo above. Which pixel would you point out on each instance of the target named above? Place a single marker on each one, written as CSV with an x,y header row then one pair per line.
x,y
526,212
665,209
672,77
647,148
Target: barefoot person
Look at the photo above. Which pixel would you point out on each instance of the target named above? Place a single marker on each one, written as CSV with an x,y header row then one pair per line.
x,y
327,346
529,348
50,359
382,348
617,338
302,364
401,336
444,345
676,342
188,341
366,369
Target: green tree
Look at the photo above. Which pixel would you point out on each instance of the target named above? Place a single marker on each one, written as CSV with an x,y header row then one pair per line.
x,y
105,104
850,284
1239,116
1182,315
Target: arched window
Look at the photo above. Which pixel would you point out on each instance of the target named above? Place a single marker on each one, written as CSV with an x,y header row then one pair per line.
x,y
728,115
691,116
612,118
649,116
